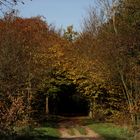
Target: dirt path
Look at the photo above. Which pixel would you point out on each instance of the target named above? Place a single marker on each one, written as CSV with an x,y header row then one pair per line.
x,y
75,129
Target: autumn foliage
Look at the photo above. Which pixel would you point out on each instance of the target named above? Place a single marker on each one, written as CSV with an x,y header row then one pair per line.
x,y
101,64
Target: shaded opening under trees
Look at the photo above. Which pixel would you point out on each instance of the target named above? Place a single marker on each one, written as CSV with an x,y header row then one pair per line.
x,y
68,102
59,96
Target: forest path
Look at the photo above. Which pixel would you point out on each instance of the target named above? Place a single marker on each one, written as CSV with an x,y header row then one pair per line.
x,y
76,128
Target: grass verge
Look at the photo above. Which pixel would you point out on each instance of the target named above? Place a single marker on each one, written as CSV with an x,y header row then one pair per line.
x,y
111,132
46,131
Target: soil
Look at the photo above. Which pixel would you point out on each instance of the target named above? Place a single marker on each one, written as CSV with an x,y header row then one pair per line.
x,y
68,129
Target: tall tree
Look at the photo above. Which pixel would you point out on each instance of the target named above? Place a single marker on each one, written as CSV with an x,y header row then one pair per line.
x,y
116,51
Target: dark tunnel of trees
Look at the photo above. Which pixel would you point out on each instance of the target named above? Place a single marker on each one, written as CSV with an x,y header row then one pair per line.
x,y
68,103
64,100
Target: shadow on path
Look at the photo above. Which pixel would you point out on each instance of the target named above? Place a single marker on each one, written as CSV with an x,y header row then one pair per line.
x,y
52,138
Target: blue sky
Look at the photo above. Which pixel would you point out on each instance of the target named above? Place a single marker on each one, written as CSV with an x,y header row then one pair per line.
x,y
61,13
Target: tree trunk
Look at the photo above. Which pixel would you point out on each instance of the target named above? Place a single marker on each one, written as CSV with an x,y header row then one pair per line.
x,y
92,105
47,108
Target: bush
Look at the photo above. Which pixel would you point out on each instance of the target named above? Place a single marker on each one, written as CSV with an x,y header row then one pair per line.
x,y
11,114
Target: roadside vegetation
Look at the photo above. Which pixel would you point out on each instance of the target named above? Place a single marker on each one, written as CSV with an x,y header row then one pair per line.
x,y
110,131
